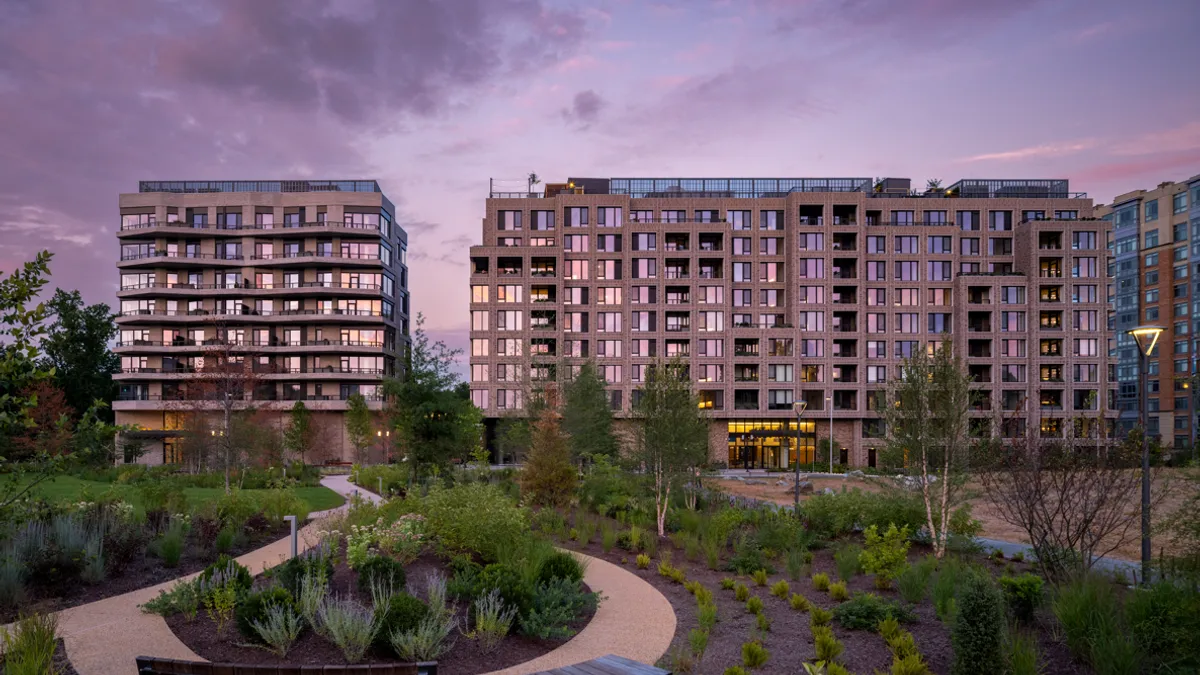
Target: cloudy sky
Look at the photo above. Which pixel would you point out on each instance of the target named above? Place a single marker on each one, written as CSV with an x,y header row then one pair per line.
x,y
434,97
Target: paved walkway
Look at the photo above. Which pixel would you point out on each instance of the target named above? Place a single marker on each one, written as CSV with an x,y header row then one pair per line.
x,y
103,637
634,620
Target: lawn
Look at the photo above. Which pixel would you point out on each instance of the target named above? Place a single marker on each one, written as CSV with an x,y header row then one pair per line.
x,y
70,488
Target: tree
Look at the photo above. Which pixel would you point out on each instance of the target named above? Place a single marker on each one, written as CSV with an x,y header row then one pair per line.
x,y
50,433
672,433
587,416
21,329
549,478
298,436
358,425
532,180
928,423
433,424
76,347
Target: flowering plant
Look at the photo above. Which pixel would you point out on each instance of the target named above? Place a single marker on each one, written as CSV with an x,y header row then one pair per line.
x,y
404,538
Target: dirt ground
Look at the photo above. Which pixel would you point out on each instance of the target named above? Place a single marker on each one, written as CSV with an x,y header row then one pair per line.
x,y
994,527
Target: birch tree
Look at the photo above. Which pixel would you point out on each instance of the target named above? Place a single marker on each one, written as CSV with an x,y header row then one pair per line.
x,y
927,415
672,433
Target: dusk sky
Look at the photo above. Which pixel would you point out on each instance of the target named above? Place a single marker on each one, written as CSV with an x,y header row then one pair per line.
x,y
434,97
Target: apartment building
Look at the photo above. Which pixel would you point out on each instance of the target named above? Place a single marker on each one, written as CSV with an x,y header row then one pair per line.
x,y
302,284
1156,246
781,290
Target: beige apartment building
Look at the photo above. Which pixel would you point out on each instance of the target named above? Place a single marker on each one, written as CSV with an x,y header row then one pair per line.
x,y
1156,236
808,289
300,285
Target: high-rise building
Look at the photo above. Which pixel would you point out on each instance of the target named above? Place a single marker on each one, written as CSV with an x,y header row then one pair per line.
x,y
1156,247
265,292
783,290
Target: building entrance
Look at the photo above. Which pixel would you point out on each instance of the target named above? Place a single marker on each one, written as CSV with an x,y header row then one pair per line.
x,y
770,444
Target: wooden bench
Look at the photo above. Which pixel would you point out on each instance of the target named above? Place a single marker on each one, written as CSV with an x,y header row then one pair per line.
x,y
153,666
607,665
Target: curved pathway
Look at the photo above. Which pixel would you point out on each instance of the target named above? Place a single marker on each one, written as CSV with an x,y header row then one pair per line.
x,y
635,620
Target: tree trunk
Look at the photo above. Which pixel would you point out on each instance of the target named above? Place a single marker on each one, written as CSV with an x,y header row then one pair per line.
x,y
228,444
943,534
927,498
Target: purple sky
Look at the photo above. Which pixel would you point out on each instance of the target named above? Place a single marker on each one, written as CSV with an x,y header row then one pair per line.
x,y
434,97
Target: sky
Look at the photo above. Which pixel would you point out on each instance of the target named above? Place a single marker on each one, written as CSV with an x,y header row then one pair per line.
x,y
435,97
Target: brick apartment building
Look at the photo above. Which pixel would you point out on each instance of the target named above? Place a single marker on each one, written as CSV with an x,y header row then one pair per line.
x,y
306,280
780,290
1156,246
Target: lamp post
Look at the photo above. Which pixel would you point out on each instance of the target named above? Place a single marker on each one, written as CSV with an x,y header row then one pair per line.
x,y
829,400
1146,338
799,407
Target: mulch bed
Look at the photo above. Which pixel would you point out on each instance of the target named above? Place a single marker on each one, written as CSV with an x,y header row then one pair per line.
x,y
142,572
464,658
790,640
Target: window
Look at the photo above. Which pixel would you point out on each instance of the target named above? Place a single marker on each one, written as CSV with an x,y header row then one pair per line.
x,y
906,244
969,245
644,241
1083,268
609,349
1083,241
876,244
876,374
939,270
939,244
711,321
509,220
738,220
770,245
643,322
608,296
810,295
769,297
642,348
575,322
968,220
575,296
608,269
876,297
645,268
876,270
576,269
1151,211
809,241
876,349
742,272
1012,295
906,270
741,246
576,243
1179,202
479,294
479,320
1086,320
939,323
876,322
608,216
908,323
741,297
768,220
1000,221
1000,246
608,243
810,321
1151,238
712,295
543,220
711,347
509,319
1012,322
479,347
770,271
908,297
543,242
809,268
577,216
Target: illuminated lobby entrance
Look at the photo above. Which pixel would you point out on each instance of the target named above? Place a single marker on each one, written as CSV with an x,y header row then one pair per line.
x,y
770,444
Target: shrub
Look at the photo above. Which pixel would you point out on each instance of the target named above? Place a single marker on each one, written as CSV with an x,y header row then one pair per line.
x,y
513,589
253,609
1021,654
865,611
226,570
838,591
798,602
492,622
978,632
909,665
736,670
316,562
796,561
608,536
1023,595
475,518
313,589
727,584
762,622
1164,621
760,577
183,598
277,503
913,581
747,558
698,641
170,545
349,625
888,628
902,645
818,616
235,508
555,606
404,614
220,600
464,579
561,565
712,552
754,655
380,570
885,554
754,604
780,589
279,628
223,542
846,560
706,615
828,647
643,561
820,581
1089,613
29,645
945,585
740,592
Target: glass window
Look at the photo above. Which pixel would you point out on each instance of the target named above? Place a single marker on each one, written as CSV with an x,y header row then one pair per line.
x,y
1151,210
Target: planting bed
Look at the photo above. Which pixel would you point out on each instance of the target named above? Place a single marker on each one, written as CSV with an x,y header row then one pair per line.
x,y
789,640
464,658
142,571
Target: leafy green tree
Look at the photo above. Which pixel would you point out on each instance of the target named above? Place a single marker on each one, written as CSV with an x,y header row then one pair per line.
x,y
672,433
587,416
298,436
514,435
548,477
22,326
433,423
927,415
358,425
76,347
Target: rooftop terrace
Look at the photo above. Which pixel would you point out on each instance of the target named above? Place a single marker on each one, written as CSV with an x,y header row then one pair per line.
x,y
202,186
755,188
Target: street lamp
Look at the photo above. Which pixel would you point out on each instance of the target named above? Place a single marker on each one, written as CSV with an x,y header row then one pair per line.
x,y
829,401
799,407
1146,338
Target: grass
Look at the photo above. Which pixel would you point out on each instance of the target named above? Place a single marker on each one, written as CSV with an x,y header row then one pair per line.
x,y
70,488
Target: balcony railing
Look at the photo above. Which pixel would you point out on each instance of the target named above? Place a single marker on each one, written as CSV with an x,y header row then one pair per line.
x,y
246,284
249,343
250,226
246,311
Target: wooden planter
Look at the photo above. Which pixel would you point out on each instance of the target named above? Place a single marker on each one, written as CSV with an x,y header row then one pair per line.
x,y
152,666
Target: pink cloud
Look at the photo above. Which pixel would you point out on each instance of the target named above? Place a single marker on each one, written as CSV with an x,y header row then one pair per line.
x,y
696,53
1152,168
1045,150
614,45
